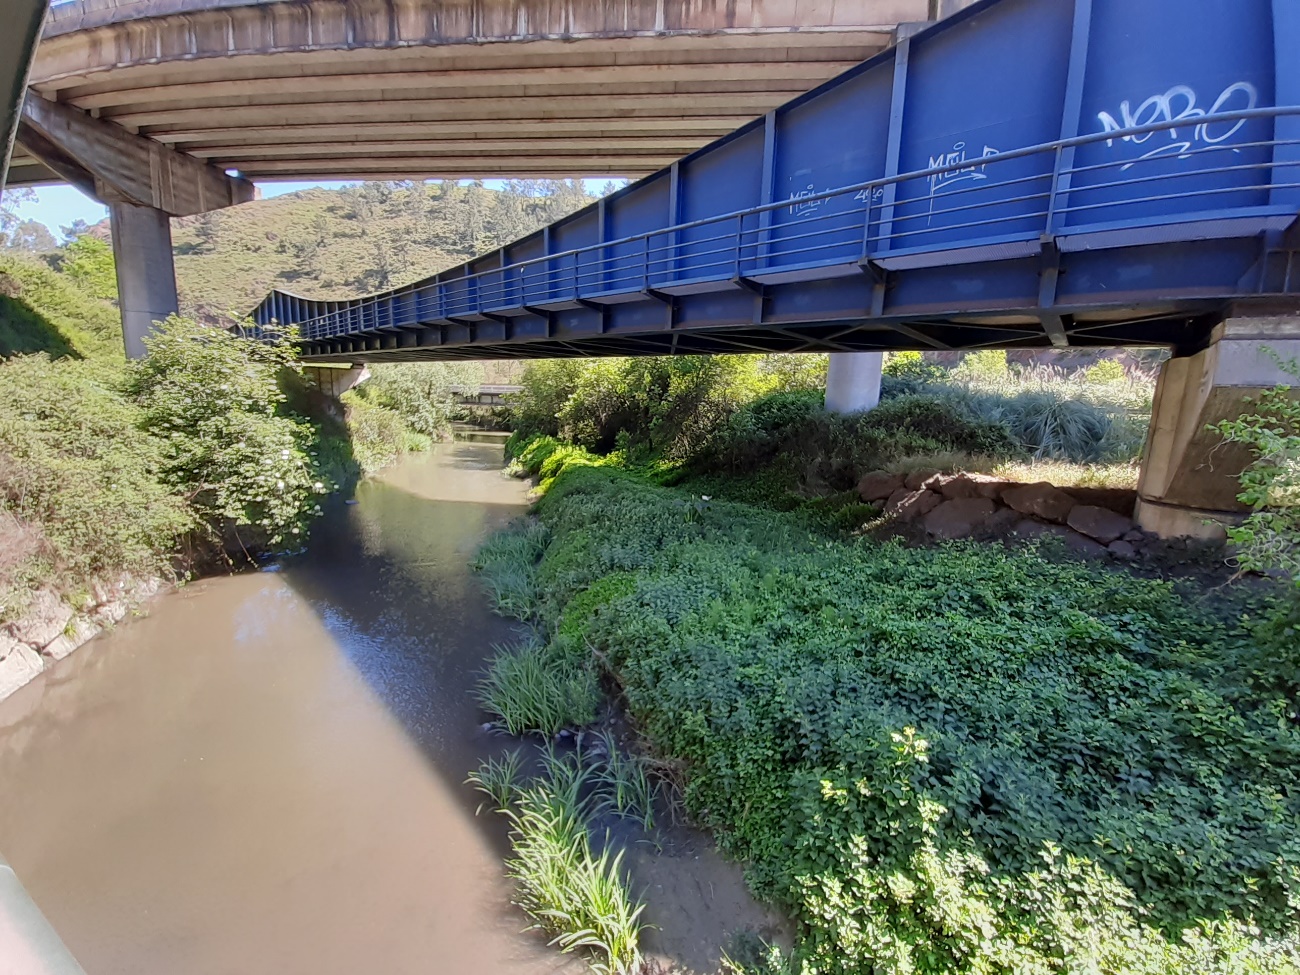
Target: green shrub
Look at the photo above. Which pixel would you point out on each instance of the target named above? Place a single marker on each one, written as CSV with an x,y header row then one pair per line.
x,y
547,386
44,311
1106,371
908,372
1270,538
420,392
651,407
81,477
379,436
88,261
952,760
788,442
985,365
215,402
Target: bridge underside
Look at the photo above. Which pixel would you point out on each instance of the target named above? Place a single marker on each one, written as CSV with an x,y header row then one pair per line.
x,y
1185,326
395,89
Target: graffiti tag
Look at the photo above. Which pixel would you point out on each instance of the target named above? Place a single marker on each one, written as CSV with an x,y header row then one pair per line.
x,y
941,181
1180,104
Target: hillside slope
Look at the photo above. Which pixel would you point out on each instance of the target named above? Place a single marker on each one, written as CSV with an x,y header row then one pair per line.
x,y
341,243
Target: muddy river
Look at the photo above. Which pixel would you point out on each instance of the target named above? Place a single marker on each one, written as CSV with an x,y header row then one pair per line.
x,y
266,773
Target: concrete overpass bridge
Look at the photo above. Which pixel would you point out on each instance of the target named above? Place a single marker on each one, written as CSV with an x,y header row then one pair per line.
x,y
386,89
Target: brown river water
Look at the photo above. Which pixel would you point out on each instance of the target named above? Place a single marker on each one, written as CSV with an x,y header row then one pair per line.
x,y
266,773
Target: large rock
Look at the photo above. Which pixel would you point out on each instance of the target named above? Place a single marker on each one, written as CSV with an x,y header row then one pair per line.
x,y
954,486
1122,501
1122,550
916,480
959,517
1099,523
912,505
1040,500
81,631
879,485
44,620
1073,540
1001,521
19,664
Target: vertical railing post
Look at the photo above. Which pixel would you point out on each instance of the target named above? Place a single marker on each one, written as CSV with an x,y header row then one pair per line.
x,y
740,240
1049,229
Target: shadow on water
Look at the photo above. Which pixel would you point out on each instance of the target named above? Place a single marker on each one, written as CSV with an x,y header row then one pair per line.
x,y
388,578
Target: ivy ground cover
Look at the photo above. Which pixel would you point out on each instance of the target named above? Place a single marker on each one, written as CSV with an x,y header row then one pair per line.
x,y
956,760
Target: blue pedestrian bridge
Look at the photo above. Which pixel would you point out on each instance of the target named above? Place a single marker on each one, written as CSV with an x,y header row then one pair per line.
x,y
1026,173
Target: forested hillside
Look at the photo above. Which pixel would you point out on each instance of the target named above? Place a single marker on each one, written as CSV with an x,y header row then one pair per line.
x,y
340,243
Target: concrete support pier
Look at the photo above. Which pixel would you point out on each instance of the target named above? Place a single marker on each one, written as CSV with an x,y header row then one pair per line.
x,y
146,272
1188,485
853,381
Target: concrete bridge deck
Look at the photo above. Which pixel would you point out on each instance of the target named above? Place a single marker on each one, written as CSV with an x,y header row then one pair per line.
x,y
391,89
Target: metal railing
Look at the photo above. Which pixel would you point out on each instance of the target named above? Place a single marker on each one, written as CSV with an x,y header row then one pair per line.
x,y
1003,204
28,944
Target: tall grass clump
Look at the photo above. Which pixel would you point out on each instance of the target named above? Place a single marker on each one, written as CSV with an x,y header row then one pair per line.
x,y
624,779
507,562
532,689
581,899
499,778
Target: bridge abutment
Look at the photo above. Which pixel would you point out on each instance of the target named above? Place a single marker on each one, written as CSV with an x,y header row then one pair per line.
x,y
1188,485
146,272
853,381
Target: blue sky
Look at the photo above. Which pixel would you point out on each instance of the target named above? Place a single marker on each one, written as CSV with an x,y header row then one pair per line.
x,y
59,206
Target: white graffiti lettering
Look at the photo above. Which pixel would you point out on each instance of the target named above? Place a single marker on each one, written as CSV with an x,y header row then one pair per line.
x,y
1180,104
802,209
941,181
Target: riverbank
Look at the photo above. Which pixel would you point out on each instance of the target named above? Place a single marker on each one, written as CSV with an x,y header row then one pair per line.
x,y
52,628
948,758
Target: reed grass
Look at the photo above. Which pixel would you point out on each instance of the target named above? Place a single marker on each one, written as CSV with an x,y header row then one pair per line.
x,y
498,778
582,900
625,780
531,692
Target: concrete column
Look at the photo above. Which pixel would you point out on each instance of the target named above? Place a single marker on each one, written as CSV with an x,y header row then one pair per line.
x,y
335,380
853,381
1188,485
146,273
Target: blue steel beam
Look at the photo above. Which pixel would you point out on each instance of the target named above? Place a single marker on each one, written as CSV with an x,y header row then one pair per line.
x,y
1025,173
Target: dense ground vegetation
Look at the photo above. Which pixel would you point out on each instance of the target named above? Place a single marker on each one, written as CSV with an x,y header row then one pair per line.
x,y
200,452
109,468
953,759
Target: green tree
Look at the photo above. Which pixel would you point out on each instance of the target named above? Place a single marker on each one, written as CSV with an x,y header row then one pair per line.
x,y
89,262
1270,538
231,447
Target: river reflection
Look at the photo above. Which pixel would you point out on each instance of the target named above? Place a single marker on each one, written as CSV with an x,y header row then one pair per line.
x,y
265,775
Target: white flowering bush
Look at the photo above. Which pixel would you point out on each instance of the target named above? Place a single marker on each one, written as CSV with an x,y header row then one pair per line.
x,y
232,449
